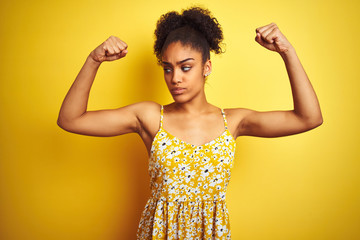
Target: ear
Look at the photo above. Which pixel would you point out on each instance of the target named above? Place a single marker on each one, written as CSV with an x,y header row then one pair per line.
x,y
207,68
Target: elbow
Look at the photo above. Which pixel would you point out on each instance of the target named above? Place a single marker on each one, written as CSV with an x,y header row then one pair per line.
x,y
63,124
60,123
315,122
311,121
320,121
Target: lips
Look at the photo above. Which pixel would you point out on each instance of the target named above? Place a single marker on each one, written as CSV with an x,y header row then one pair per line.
x,y
177,91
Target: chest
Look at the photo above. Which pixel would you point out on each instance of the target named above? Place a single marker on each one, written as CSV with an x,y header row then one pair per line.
x,y
196,131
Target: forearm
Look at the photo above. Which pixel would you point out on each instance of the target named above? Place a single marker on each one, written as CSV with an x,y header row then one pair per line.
x,y
306,104
76,100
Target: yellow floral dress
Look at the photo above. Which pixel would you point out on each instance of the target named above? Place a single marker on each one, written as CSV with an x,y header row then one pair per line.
x,y
188,188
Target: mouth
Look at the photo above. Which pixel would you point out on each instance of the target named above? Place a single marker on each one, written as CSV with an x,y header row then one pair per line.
x,y
177,91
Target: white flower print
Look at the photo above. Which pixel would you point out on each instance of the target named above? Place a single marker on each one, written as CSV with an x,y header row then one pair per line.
x,y
189,175
225,149
221,230
188,186
184,167
164,143
205,159
167,180
216,180
173,152
206,170
227,139
216,149
172,189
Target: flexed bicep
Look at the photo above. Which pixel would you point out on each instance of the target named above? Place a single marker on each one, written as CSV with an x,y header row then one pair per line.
x,y
105,123
273,124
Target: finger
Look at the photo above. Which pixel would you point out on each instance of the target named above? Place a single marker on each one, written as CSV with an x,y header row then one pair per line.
x,y
265,34
123,53
116,49
105,48
113,43
264,28
260,40
110,49
113,57
116,56
270,35
122,45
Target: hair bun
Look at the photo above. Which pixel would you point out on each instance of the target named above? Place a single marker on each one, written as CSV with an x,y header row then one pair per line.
x,y
197,18
202,20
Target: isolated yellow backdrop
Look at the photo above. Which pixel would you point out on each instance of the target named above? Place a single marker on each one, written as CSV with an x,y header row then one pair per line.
x,y
56,185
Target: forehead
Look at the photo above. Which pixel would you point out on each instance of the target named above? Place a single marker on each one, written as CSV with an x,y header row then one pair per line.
x,y
177,51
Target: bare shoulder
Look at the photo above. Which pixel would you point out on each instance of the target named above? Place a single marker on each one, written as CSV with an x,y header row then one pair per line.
x,y
112,122
237,111
147,109
235,117
148,114
146,106
237,114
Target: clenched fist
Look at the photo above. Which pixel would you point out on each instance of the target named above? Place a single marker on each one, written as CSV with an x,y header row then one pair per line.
x,y
270,37
112,49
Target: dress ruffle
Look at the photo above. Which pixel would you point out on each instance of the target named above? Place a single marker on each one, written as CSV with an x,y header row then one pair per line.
x,y
188,188
184,220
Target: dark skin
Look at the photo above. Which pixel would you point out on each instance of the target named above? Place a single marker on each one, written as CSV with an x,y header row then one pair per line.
x,y
190,117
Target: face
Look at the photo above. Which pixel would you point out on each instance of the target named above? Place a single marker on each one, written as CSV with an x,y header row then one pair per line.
x,y
184,72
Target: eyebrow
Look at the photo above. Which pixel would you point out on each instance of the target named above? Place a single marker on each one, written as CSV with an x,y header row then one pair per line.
x,y
179,62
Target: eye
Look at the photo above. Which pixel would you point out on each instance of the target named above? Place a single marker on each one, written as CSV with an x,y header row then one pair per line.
x,y
167,70
185,69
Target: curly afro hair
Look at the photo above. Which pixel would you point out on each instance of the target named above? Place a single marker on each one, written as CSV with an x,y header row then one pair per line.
x,y
195,27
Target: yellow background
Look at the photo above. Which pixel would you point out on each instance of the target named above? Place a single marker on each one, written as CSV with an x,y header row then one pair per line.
x,y
55,185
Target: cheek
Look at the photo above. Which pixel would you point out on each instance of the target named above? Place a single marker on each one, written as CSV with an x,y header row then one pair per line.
x,y
167,78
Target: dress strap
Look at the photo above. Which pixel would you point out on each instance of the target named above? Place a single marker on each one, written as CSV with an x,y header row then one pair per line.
x,y
225,122
161,115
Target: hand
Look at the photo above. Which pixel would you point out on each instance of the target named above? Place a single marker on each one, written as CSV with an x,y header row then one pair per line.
x,y
270,37
112,49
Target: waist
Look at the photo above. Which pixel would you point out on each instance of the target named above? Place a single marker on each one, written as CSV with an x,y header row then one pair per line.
x,y
188,197
181,201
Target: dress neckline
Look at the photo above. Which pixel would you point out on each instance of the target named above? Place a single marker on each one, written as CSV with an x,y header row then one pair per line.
x,y
185,142
194,145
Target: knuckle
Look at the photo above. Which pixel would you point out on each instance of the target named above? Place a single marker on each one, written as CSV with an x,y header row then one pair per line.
x,y
268,38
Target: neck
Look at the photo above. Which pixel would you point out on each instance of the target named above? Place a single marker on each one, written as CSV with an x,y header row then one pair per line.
x,y
197,105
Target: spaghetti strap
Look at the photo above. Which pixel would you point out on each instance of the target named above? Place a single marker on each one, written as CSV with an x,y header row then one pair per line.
x,y
161,115
174,161
225,122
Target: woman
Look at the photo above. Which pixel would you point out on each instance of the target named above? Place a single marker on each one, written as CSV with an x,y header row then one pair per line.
x,y
191,143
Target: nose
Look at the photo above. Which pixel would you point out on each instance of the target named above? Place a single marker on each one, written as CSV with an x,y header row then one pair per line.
x,y
176,77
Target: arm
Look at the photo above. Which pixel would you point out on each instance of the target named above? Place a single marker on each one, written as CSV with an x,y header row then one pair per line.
x,y
306,114
74,117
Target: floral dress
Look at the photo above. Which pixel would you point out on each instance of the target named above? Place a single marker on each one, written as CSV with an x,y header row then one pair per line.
x,y
188,188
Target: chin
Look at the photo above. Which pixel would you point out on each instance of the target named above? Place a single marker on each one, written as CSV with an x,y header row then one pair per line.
x,y
180,98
